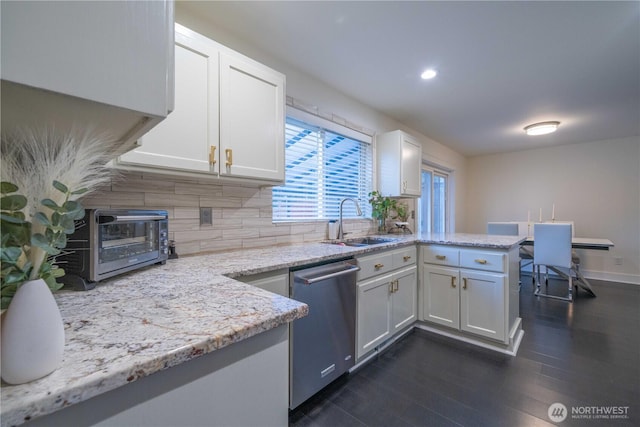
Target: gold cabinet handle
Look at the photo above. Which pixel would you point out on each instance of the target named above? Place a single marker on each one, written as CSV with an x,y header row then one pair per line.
x,y
453,281
406,258
464,283
391,287
229,154
212,155
481,261
378,266
441,257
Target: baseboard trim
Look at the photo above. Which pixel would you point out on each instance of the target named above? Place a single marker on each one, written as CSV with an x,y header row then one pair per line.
x,y
607,276
633,279
517,333
511,350
381,348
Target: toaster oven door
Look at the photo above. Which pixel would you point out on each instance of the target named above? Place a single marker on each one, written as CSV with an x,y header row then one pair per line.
x,y
126,241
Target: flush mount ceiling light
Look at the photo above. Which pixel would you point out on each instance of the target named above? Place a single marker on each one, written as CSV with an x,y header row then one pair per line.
x,y
428,74
541,128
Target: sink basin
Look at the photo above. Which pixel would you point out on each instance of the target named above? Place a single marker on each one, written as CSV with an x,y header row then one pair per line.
x,y
361,241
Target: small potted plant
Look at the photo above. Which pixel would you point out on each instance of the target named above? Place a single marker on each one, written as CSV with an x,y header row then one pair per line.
x,y
402,211
43,174
380,209
29,249
401,216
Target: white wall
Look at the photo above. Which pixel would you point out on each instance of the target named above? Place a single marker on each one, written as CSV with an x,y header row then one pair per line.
x,y
309,90
595,184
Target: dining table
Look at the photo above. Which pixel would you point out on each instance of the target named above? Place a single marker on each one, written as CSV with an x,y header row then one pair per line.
x,y
592,243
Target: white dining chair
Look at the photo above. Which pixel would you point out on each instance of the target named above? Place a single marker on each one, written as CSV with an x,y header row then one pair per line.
x,y
512,229
502,228
553,251
574,255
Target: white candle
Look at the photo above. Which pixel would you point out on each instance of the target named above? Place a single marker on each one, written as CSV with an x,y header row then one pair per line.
x,y
553,212
540,219
528,216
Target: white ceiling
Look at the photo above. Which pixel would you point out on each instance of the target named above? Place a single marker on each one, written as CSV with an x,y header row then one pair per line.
x,y
502,65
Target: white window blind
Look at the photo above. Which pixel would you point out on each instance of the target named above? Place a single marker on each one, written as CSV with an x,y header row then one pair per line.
x,y
322,168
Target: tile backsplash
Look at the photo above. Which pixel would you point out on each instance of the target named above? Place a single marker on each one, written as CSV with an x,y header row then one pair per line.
x,y
241,214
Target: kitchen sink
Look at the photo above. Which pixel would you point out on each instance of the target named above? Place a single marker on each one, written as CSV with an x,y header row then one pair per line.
x,y
361,241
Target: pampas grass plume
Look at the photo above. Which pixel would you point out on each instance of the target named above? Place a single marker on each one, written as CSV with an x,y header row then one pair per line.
x,y
33,158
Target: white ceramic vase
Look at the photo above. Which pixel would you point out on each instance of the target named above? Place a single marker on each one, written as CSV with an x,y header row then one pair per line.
x,y
32,334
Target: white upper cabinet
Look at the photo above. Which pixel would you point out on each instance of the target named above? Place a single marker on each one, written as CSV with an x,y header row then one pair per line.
x,y
399,160
184,140
228,120
101,65
251,119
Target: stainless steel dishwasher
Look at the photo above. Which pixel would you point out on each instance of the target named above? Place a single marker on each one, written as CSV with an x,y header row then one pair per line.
x,y
323,343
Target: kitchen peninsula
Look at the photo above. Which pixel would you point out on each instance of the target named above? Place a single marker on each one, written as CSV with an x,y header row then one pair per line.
x,y
170,321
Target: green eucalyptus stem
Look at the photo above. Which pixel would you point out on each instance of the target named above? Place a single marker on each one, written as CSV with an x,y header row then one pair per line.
x,y
30,244
38,254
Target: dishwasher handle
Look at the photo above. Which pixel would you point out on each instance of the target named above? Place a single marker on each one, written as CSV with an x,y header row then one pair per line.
x,y
310,281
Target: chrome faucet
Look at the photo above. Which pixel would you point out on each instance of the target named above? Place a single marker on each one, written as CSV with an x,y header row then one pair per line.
x,y
341,232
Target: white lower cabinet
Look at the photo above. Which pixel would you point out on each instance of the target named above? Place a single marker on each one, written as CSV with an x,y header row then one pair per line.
x,y
482,304
404,299
272,281
374,307
211,390
466,300
387,302
470,290
441,296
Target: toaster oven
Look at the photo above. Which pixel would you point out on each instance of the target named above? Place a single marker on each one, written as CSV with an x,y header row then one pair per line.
x,y
108,242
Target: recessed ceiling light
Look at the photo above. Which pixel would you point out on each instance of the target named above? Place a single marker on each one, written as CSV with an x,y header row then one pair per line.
x,y
541,128
429,74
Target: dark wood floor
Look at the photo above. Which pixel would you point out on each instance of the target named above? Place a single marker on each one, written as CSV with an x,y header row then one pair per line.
x,y
585,354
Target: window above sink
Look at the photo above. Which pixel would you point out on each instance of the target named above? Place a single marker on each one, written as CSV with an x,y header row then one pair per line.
x,y
323,166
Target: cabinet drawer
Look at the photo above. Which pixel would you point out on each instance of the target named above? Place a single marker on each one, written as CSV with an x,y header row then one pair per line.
x,y
488,261
404,257
372,265
441,255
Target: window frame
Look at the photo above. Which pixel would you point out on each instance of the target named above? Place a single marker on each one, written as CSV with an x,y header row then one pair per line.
x,y
447,175
340,130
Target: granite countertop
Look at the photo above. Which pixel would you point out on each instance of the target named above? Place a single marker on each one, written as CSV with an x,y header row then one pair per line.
x,y
155,318
471,240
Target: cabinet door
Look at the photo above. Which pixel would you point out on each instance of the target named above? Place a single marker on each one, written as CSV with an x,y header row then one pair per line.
x,y
276,281
373,325
411,167
482,304
404,302
114,53
183,140
251,119
441,296
105,65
